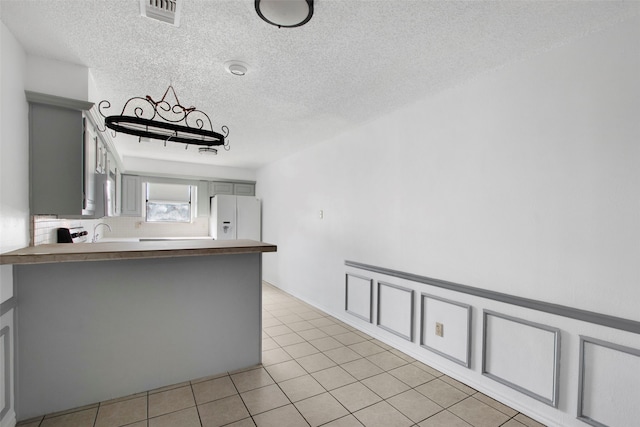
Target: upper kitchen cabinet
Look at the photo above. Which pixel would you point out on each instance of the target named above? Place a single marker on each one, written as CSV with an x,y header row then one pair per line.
x,y
232,188
101,155
203,198
62,157
216,187
131,196
116,179
208,189
244,189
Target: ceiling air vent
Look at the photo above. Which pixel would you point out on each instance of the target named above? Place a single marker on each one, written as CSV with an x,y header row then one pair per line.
x,y
162,10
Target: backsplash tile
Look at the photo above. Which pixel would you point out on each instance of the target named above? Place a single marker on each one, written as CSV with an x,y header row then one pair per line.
x,y
44,228
124,226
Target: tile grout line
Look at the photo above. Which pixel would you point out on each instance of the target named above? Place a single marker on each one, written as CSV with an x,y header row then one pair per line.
x,y
193,394
285,394
147,409
310,374
95,419
360,381
357,380
383,371
241,398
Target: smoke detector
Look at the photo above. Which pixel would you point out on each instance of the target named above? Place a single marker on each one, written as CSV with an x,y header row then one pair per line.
x,y
162,10
236,68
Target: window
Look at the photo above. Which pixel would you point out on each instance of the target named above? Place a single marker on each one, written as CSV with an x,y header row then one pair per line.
x,y
168,202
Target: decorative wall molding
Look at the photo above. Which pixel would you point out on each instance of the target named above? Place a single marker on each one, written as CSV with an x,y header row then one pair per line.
x,y
518,359
388,326
8,305
466,338
5,339
583,379
350,294
560,310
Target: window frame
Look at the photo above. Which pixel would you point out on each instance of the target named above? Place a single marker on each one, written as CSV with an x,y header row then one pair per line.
x,y
189,204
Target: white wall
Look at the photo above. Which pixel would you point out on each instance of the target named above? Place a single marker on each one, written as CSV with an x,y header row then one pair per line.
x,y
523,181
142,166
14,147
14,174
58,78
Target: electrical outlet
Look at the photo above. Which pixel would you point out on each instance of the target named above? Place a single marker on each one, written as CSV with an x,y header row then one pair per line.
x,y
439,329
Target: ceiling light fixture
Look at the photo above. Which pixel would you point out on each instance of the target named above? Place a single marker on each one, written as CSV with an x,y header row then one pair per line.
x,y
208,150
146,118
285,13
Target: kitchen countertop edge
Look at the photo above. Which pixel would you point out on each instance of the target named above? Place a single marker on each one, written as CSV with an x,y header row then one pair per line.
x,y
55,253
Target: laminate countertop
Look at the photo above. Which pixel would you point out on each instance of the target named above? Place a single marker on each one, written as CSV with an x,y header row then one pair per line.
x,y
104,251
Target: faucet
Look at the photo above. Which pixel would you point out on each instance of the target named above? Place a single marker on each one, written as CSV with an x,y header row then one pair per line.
x,y
95,235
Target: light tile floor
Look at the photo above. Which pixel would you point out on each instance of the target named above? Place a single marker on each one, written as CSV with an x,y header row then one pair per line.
x,y
315,371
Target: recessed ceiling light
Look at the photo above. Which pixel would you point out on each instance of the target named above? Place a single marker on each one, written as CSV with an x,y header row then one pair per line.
x,y
236,68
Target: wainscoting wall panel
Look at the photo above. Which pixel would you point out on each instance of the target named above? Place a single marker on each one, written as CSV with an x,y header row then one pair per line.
x,y
396,310
510,343
359,296
5,352
514,346
607,372
455,318
7,361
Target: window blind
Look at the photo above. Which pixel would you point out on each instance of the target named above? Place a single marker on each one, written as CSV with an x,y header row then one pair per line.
x,y
172,193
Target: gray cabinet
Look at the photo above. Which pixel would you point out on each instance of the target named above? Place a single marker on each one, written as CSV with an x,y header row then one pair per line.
x,y
203,199
221,187
101,155
131,187
244,189
113,173
232,188
90,167
216,187
61,175
131,196
117,197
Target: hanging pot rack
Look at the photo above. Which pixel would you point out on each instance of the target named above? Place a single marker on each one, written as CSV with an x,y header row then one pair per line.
x,y
147,118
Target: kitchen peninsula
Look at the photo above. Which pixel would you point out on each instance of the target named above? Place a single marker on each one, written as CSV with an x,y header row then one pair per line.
x,y
104,320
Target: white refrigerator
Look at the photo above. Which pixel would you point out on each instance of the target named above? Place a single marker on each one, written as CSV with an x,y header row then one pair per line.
x,y
234,217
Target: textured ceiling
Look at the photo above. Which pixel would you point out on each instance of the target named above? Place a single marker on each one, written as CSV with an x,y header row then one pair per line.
x,y
354,61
